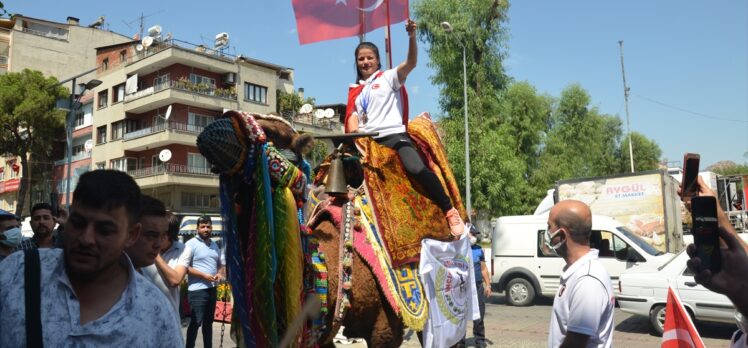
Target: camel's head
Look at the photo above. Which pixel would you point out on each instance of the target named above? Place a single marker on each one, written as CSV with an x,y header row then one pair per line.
x,y
225,143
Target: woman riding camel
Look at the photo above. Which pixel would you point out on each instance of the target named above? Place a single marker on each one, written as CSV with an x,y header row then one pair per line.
x,y
377,104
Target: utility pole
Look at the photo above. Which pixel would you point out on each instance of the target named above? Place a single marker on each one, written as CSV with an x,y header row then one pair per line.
x,y
626,90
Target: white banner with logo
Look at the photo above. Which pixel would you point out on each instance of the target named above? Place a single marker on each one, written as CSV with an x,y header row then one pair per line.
x,y
448,276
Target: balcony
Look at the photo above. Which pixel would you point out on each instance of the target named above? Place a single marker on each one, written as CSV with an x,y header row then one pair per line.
x,y
161,134
182,92
77,157
174,174
167,53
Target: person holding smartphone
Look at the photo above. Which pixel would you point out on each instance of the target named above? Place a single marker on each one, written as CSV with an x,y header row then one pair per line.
x,y
732,279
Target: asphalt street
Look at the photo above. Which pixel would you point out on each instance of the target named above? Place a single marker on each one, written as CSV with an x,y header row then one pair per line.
x,y
508,326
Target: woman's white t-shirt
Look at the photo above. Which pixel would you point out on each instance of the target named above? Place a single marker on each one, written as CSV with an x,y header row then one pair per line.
x,y
380,102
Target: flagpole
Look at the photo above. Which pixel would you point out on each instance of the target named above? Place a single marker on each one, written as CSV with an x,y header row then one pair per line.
x,y
388,35
362,21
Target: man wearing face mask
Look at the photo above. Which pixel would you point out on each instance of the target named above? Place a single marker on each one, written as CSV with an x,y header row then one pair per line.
x,y
10,233
583,307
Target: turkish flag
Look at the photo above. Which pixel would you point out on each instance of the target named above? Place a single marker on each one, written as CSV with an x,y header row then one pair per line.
x,y
679,331
319,20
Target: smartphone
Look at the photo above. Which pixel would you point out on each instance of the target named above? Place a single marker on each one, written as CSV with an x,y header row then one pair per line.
x,y
705,232
689,187
54,201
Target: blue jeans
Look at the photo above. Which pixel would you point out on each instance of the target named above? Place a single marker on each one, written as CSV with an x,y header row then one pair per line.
x,y
202,310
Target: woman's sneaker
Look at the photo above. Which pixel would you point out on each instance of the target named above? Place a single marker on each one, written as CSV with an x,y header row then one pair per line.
x,y
456,225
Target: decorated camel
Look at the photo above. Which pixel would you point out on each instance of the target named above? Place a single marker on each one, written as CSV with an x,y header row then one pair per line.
x,y
356,252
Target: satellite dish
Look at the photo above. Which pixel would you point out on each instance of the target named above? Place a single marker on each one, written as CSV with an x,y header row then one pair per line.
x,y
88,145
319,113
168,113
139,47
329,113
305,109
164,155
154,30
147,41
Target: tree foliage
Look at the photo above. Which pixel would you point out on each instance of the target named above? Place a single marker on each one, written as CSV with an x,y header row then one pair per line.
x,y
647,153
521,142
29,119
286,102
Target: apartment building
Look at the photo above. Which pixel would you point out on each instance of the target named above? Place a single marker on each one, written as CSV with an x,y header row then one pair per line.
x,y
60,49
155,99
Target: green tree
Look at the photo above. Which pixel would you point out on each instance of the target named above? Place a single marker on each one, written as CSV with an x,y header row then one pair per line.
x,y
290,102
647,153
581,141
29,119
479,28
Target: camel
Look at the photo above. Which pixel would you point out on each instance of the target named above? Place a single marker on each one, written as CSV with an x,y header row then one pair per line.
x,y
231,144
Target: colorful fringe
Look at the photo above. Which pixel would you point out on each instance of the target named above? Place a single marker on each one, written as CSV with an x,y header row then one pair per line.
x,y
289,280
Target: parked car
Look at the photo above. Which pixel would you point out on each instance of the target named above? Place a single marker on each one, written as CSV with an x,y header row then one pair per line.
x,y
644,293
525,268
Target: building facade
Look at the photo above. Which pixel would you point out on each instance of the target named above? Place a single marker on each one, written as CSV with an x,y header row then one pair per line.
x,y
155,100
59,49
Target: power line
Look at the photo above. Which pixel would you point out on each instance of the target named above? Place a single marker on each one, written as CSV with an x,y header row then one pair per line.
x,y
688,111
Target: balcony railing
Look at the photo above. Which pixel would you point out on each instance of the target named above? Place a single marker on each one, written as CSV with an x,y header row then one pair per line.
x,y
160,127
170,168
183,45
310,120
80,156
184,85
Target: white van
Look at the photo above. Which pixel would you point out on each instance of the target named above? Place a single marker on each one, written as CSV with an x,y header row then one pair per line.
x,y
524,267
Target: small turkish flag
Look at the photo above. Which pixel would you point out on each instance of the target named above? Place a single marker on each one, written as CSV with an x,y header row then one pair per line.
x,y
319,20
679,331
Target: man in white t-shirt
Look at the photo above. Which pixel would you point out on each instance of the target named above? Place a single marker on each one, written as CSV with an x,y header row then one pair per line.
x,y
583,307
172,263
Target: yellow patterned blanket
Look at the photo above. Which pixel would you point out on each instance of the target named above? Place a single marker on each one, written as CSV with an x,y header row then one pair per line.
x,y
404,216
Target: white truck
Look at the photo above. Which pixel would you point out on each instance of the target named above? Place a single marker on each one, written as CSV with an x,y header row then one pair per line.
x,y
524,267
647,203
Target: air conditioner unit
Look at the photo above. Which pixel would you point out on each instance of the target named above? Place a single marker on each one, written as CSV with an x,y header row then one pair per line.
x,y
229,78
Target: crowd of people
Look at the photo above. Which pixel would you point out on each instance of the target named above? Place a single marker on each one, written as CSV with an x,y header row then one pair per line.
x,y
109,275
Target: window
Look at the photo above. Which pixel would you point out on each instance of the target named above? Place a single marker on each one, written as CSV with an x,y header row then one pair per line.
x,y
197,164
101,135
123,164
78,149
13,173
118,130
161,82
199,200
195,78
118,93
105,64
255,93
155,161
103,98
80,119
122,56
196,122
100,165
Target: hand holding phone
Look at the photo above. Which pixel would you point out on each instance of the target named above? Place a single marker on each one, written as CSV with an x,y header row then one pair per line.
x,y
689,186
705,232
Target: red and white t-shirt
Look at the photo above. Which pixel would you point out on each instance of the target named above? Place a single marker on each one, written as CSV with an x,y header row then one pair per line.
x,y
379,106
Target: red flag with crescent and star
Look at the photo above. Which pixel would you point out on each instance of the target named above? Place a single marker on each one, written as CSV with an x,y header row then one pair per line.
x,y
679,331
319,20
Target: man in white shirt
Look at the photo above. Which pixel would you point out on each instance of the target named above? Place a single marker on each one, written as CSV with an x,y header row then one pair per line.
x,y
583,307
171,265
89,294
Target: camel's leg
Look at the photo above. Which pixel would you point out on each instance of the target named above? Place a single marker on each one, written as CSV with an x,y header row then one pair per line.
x,y
388,330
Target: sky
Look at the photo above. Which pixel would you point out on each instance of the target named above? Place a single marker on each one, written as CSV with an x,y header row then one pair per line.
x,y
686,62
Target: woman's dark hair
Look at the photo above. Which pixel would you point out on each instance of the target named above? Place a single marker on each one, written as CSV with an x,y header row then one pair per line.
x,y
373,48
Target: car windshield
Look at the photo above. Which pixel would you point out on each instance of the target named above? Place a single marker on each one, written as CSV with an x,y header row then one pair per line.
x,y
671,260
639,241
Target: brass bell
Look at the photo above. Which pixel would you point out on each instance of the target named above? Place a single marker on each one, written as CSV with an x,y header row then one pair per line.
x,y
335,183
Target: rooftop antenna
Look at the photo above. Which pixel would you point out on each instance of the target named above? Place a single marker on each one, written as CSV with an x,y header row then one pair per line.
x,y
140,19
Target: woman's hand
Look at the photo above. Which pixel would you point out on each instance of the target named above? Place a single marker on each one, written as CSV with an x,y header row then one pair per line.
x,y
410,28
410,62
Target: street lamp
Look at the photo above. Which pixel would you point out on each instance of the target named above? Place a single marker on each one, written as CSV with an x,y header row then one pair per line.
x,y
74,105
448,28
